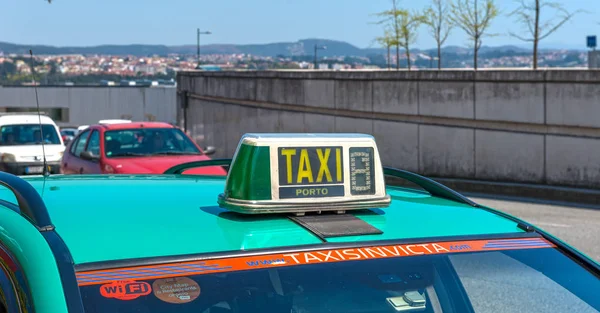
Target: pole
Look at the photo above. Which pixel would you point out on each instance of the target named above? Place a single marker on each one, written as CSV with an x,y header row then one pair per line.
x,y
315,56
198,46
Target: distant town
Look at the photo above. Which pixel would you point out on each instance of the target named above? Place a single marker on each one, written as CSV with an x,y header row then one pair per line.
x,y
154,69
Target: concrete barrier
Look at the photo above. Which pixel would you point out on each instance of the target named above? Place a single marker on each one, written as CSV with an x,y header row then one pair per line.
x,y
535,127
87,105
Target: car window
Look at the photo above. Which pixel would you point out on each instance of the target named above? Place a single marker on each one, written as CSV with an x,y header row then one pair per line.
x,y
74,145
68,132
28,134
148,142
94,143
360,280
79,146
514,282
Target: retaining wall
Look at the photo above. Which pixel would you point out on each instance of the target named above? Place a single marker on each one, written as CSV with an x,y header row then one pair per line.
x,y
512,126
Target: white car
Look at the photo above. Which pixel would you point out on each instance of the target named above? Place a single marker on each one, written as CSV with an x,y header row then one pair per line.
x,y
21,140
81,128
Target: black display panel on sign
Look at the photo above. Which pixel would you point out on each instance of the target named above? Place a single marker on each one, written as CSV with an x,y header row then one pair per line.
x,y
362,173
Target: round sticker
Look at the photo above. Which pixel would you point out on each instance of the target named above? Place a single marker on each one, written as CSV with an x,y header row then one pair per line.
x,y
176,290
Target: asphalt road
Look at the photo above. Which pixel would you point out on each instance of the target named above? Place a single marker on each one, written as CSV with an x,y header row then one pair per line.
x,y
578,226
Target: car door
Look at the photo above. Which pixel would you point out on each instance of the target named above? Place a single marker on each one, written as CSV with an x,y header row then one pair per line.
x,y
93,147
74,163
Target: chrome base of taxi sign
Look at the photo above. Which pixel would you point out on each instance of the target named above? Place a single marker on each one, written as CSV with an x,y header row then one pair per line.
x,y
262,207
278,173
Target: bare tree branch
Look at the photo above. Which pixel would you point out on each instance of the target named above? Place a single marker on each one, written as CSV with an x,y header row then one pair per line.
x,y
519,37
563,19
474,17
437,18
529,14
387,41
391,18
409,22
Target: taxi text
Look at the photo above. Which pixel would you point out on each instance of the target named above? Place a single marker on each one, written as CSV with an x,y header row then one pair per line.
x,y
364,253
310,165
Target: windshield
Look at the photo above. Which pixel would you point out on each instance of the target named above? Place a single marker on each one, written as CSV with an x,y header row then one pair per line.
x,y
404,278
28,134
70,132
148,142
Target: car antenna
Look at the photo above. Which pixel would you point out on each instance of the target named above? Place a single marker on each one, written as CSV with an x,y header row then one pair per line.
x,y
45,172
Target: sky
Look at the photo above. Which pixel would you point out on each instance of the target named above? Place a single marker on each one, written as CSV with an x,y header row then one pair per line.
x,y
174,22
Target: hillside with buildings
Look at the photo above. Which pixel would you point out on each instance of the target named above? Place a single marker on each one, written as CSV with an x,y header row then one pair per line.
x,y
92,65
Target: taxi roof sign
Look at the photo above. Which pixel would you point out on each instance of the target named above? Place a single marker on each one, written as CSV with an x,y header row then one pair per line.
x,y
298,173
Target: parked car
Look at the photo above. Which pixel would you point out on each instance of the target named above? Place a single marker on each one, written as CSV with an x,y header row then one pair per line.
x,y
67,134
133,148
21,140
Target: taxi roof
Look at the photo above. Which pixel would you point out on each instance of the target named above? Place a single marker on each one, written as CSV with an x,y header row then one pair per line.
x,y
120,217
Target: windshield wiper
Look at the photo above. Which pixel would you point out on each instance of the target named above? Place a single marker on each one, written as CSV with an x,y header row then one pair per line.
x,y
128,154
175,153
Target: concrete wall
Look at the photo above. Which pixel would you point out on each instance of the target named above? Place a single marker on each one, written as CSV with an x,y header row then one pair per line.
x,y
89,104
514,126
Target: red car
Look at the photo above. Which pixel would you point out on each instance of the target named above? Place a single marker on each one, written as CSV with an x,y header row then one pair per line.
x,y
133,148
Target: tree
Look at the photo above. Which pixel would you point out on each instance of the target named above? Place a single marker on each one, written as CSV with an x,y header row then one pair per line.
x,y
387,41
436,17
392,17
474,19
528,14
7,68
409,22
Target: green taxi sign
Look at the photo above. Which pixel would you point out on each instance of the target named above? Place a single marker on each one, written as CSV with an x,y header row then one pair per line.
x,y
278,173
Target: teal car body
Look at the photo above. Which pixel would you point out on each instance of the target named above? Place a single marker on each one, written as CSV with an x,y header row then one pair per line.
x,y
53,228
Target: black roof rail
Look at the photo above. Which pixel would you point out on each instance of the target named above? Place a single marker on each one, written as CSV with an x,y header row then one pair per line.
x,y
434,188
29,201
179,169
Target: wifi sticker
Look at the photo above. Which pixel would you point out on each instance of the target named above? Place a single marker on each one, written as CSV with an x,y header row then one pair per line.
x,y
125,289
